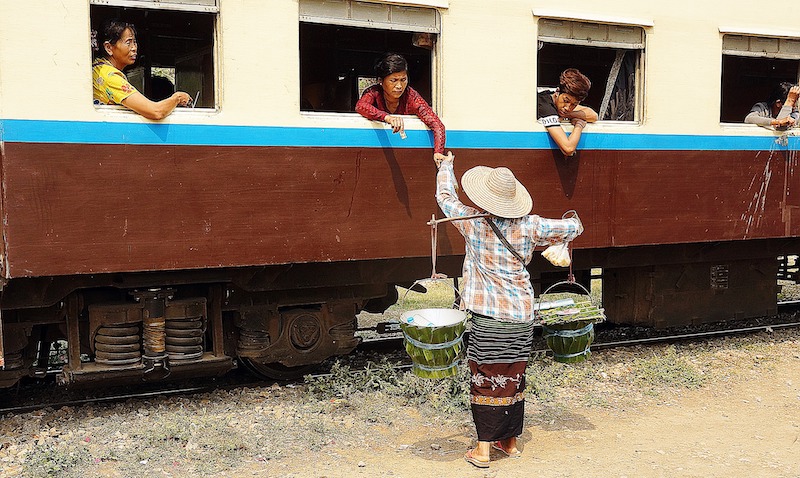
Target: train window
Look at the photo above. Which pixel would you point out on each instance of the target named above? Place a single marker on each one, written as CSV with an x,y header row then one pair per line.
x,y
609,54
341,39
176,45
752,66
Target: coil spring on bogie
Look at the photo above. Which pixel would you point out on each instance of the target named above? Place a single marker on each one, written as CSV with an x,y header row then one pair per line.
x,y
184,337
13,360
118,345
252,341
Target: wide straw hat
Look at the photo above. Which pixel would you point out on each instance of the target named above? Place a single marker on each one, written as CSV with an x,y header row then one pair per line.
x,y
497,191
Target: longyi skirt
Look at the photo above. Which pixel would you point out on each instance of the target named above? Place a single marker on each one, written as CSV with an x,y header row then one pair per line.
x,y
497,354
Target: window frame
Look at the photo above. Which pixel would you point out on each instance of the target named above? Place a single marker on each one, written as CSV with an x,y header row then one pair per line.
x,y
435,71
199,6
740,35
546,14
187,6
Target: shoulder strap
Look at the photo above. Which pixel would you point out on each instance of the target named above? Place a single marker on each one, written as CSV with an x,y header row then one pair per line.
x,y
504,240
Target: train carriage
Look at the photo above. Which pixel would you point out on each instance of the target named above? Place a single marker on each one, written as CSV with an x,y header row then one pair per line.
x,y
254,226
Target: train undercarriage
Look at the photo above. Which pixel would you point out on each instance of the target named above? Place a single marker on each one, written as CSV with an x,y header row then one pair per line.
x,y
283,321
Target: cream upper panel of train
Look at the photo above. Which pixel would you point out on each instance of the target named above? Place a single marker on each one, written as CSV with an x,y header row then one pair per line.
x,y
691,68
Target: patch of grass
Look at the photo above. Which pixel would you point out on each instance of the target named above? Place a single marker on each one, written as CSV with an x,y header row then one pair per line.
x,y
544,377
191,438
59,459
448,394
438,294
666,370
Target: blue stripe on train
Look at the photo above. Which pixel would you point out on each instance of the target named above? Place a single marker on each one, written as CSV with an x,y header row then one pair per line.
x,y
39,131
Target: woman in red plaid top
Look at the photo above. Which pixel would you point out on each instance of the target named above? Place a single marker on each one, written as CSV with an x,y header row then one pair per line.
x,y
498,295
392,97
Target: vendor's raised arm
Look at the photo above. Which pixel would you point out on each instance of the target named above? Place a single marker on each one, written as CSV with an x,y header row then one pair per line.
x,y
565,103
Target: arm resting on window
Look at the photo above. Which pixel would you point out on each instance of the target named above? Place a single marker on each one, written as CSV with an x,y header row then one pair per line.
x,y
155,110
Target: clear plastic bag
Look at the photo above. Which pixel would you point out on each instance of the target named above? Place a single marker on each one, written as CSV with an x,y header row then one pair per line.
x,y
558,254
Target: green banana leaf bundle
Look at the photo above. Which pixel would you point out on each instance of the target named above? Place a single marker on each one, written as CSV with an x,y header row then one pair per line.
x,y
584,311
570,341
434,350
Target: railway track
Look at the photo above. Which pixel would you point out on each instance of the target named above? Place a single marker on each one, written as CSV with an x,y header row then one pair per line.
x,y
380,347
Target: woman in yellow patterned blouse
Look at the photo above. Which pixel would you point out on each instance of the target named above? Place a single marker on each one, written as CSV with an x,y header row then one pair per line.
x,y
118,48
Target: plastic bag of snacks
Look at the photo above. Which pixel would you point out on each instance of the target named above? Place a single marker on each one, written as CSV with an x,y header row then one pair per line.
x,y
558,254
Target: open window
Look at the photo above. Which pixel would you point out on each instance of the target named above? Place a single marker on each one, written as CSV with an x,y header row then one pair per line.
x,y
341,40
752,66
609,54
176,45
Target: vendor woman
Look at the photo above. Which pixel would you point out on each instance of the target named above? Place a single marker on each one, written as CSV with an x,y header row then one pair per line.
x,y
498,295
392,97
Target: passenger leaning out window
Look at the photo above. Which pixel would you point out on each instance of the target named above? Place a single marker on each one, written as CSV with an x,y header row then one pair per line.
x,y
565,103
392,97
780,109
116,50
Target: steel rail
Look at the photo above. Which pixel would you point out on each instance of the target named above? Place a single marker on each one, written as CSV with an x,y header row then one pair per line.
x,y
698,335
110,398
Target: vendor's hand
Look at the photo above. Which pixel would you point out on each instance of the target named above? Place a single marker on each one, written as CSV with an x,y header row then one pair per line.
x,y
439,157
395,122
791,98
572,214
182,97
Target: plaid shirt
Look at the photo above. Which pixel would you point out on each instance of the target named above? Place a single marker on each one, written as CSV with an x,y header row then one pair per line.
x,y
496,284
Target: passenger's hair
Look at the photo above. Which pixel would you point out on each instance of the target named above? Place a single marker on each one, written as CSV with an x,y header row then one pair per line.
x,y
575,83
779,93
390,63
111,32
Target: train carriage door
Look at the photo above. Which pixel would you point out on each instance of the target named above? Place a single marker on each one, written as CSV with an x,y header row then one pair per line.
x,y
609,54
340,42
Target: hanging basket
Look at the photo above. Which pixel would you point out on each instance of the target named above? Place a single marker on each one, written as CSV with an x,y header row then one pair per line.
x,y
433,338
568,323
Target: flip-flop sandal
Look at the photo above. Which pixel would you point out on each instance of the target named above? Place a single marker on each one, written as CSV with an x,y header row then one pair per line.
x,y
497,446
474,461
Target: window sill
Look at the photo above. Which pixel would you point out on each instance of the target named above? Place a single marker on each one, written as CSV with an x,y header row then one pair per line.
x,y
755,127
123,112
355,120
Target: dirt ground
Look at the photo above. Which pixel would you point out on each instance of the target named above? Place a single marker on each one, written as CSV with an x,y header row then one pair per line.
x,y
722,408
745,426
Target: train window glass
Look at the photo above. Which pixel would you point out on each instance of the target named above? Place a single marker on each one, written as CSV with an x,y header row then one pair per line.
x,y
752,66
609,54
341,39
176,45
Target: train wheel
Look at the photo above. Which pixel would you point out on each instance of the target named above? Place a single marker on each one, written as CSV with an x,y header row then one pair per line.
x,y
277,371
